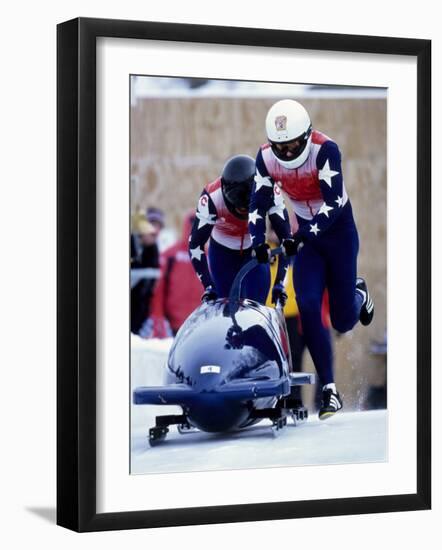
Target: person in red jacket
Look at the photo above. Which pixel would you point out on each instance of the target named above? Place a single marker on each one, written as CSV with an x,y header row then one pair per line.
x,y
178,290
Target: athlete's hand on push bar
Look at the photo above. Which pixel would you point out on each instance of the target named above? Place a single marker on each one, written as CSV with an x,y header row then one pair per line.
x,y
292,246
262,253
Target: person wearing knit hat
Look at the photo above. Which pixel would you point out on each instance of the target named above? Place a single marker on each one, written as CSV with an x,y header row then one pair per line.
x,y
156,217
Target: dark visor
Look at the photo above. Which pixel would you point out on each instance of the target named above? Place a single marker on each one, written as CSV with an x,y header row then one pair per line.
x,y
294,146
238,193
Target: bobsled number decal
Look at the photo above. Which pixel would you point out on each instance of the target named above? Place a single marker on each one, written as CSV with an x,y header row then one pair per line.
x,y
210,369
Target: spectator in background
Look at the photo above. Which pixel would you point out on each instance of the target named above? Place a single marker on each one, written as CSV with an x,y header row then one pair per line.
x,y
155,216
143,243
178,291
144,262
164,237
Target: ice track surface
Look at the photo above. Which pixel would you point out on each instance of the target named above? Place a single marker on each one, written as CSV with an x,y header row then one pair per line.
x,y
351,437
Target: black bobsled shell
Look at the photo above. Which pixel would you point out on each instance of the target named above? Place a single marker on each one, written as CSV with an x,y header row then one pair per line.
x,y
233,363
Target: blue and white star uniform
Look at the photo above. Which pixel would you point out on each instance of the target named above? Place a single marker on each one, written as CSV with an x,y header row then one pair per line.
x,y
330,240
230,245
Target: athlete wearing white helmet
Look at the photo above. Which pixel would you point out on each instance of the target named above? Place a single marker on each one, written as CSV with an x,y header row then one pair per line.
x,y
306,165
289,131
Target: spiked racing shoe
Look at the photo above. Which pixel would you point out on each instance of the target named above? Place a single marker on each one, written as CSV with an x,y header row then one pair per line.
x,y
367,309
331,403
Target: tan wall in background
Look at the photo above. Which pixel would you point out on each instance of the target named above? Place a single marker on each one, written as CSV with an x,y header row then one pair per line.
x,y
179,145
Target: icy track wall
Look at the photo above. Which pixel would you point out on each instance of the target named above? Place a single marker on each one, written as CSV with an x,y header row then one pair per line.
x,y
180,144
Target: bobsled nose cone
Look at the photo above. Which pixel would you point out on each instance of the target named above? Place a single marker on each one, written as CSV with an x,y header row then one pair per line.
x,y
212,413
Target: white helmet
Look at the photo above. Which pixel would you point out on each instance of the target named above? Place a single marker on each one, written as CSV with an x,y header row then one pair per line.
x,y
288,121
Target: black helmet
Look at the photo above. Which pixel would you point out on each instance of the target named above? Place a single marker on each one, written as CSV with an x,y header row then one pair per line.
x,y
236,183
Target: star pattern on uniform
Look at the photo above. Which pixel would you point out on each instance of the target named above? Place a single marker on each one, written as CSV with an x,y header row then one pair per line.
x,y
340,201
278,203
325,209
203,214
254,216
262,181
196,253
326,174
278,209
314,228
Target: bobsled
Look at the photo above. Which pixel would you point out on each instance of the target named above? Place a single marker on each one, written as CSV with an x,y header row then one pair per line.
x,y
229,367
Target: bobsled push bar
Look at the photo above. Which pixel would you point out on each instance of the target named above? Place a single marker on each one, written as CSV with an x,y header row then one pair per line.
x,y
235,291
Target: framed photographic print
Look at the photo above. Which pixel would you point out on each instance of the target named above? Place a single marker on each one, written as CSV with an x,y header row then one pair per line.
x,y
243,230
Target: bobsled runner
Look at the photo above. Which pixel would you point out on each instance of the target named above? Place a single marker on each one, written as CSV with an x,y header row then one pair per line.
x,y
229,367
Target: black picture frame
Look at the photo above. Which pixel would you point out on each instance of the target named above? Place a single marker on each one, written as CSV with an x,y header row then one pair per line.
x,y
76,273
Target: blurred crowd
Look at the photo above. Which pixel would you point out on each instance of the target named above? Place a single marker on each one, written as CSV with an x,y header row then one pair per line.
x,y
164,286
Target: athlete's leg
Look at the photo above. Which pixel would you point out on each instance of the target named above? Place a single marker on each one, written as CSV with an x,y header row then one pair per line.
x,y
224,264
297,347
257,283
340,248
309,282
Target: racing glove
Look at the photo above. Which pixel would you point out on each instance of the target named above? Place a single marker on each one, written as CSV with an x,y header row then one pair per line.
x,y
291,246
262,253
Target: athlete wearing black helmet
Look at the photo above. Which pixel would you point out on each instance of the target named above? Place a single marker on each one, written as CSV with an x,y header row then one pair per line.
x,y
222,219
236,184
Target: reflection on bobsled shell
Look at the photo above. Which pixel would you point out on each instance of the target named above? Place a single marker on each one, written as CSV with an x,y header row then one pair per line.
x,y
249,347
